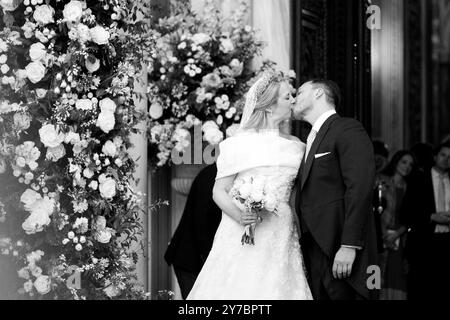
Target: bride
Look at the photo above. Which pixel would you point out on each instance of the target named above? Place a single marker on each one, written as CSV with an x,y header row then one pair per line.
x,y
272,268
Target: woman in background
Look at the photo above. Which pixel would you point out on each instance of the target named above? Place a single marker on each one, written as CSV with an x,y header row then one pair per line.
x,y
394,178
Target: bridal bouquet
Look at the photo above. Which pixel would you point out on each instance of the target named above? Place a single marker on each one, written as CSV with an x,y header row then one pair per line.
x,y
253,194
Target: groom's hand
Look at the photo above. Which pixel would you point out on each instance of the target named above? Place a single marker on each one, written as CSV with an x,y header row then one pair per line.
x,y
343,263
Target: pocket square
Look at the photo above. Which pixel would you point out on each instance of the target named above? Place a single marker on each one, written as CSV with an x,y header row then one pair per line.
x,y
320,155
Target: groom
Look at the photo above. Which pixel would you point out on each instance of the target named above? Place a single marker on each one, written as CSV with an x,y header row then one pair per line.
x,y
333,197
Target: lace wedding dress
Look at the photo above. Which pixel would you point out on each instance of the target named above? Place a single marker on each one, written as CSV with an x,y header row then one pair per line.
x,y
273,268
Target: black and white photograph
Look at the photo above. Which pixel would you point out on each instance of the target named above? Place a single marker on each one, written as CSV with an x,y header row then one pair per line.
x,y
236,150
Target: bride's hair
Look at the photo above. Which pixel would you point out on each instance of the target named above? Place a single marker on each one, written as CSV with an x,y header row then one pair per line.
x,y
269,97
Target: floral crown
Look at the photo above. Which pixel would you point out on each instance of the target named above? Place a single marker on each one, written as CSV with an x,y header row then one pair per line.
x,y
265,81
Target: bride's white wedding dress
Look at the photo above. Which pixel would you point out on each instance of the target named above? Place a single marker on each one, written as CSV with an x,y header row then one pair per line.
x,y
273,268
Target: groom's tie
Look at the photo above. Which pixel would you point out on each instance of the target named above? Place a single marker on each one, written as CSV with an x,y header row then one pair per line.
x,y
309,141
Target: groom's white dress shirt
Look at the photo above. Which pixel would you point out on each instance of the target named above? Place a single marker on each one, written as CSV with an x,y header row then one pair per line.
x,y
316,128
441,186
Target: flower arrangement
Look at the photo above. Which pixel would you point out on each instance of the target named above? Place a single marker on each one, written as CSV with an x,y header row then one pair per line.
x,y
199,74
67,203
252,194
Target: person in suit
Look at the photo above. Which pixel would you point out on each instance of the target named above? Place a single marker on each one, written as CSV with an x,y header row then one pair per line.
x,y
193,238
334,197
426,211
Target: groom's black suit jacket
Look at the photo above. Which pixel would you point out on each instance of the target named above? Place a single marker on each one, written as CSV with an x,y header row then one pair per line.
x,y
334,195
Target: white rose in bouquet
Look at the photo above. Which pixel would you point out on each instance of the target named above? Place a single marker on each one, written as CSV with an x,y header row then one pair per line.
x,y
55,154
257,195
82,225
107,186
99,35
34,257
109,149
35,271
72,138
156,111
73,11
37,51
28,286
23,273
83,104
36,222
226,45
103,236
43,284
112,291
84,33
200,38
43,14
50,136
106,121
236,67
107,105
10,5
100,223
35,71
41,93
245,190
213,136
270,203
92,64
28,198
22,121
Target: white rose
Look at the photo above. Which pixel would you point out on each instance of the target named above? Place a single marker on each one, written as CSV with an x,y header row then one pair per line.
x,y
50,136
109,149
72,138
28,286
4,68
88,173
106,121
236,67
43,284
156,111
22,121
37,51
73,11
213,136
92,64
23,273
103,236
226,45
44,206
35,71
270,203
44,14
83,104
41,93
3,58
36,223
257,195
93,185
54,154
245,190
9,5
200,38
99,35
208,125
84,34
36,271
112,291
28,198
107,187
107,105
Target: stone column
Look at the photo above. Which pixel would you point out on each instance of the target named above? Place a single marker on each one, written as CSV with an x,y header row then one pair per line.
x,y
388,81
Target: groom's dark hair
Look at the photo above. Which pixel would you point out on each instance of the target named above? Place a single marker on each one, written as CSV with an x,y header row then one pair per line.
x,y
331,90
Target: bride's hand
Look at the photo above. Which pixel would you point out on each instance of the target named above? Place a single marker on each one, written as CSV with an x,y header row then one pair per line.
x,y
248,218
